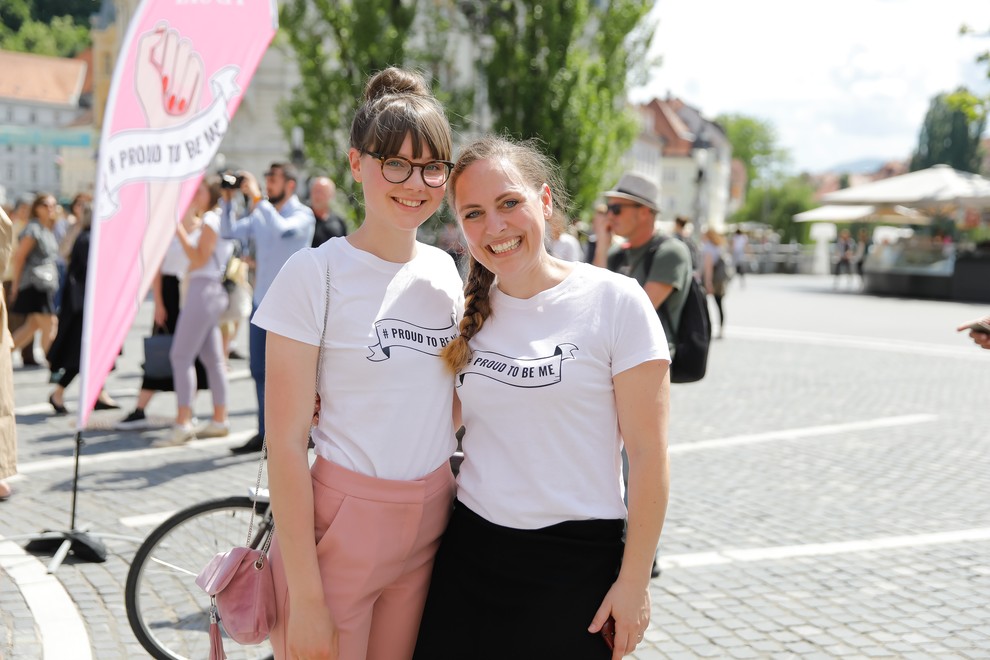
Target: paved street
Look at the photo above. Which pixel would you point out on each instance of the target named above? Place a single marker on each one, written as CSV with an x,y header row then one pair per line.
x,y
830,480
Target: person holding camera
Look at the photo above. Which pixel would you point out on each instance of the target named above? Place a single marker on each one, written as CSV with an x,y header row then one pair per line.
x,y
278,225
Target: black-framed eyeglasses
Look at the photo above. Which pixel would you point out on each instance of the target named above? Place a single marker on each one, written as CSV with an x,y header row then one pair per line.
x,y
397,169
616,209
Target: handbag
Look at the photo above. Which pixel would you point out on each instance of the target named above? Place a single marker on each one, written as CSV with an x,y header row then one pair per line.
x,y
239,581
239,301
234,273
43,277
156,362
242,595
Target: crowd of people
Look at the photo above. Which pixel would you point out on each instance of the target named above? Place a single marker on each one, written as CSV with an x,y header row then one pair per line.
x,y
44,284
379,553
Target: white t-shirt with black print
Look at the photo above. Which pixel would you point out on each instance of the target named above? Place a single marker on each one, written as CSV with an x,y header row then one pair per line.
x,y
542,442
386,394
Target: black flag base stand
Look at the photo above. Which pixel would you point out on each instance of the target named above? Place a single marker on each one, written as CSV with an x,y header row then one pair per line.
x,y
80,543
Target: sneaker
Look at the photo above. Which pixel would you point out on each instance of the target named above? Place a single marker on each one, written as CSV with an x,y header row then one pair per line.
x,y
136,420
213,429
179,435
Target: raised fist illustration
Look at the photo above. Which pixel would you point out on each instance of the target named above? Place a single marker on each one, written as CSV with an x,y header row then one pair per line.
x,y
169,76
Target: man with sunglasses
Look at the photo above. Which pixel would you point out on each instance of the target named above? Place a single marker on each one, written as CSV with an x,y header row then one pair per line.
x,y
632,208
662,267
278,226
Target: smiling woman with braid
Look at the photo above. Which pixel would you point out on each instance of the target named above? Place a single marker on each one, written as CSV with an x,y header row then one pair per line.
x,y
558,364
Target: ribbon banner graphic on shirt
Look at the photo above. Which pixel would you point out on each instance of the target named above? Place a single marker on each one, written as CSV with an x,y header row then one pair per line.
x,y
519,372
394,333
175,88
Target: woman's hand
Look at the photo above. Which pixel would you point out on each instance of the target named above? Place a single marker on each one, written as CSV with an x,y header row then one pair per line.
x,y
316,410
629,605
160,314
311,633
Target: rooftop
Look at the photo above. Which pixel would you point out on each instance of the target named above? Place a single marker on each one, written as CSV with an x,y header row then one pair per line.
x,y
40,78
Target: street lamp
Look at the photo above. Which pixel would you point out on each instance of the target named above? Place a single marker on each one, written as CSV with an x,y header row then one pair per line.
x,y
297,155
700,153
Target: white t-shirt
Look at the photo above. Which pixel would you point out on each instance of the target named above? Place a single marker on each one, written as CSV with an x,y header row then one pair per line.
x,y
214,267
567,247
709,249
176,262
386,395
739,242
542,441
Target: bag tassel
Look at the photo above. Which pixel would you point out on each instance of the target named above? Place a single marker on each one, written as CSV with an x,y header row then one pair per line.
x,y
216,640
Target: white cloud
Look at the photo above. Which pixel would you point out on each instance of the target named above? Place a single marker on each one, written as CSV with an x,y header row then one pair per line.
x,y
840,81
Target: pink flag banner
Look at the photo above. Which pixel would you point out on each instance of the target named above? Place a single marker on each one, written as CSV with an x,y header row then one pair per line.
x,y
180,76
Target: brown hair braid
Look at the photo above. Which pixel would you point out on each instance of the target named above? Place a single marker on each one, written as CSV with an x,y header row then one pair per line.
x,y
477,308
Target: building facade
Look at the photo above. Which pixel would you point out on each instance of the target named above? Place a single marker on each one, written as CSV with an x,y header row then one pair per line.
x,y
39,110
697,164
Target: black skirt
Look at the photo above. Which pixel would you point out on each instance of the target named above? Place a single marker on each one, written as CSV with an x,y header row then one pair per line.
x,y
33,301
498,592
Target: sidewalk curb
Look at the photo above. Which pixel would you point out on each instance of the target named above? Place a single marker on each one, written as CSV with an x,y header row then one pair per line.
x,y
60,624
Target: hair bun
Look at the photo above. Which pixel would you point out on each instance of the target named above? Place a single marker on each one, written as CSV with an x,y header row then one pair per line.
x,y
395,81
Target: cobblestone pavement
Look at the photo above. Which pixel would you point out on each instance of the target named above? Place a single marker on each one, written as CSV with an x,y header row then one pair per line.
x,y
830,479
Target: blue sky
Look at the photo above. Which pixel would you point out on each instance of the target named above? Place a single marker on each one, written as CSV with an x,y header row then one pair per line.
x,y
840,81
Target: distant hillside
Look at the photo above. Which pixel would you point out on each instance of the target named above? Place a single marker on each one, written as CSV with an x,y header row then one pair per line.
x,y
861,166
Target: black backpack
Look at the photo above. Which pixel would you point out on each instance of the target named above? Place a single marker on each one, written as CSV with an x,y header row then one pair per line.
x,y
694,334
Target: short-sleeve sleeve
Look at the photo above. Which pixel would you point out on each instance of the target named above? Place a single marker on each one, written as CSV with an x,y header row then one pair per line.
x,y
671,266
32,230
638,335
293,305
212,220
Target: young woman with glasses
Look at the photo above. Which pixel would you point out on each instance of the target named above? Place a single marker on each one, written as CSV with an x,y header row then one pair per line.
x,y
358,531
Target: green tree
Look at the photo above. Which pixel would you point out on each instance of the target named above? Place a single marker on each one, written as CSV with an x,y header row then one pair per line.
x,y
754,143
777,204
79,10
59,28
950,133
558,70
61,37
14,13
337,45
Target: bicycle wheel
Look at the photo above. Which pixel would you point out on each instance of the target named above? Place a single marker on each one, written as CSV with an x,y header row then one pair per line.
x,y
168,613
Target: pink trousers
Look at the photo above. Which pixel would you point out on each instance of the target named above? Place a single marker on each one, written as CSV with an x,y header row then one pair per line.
x,y
375,541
